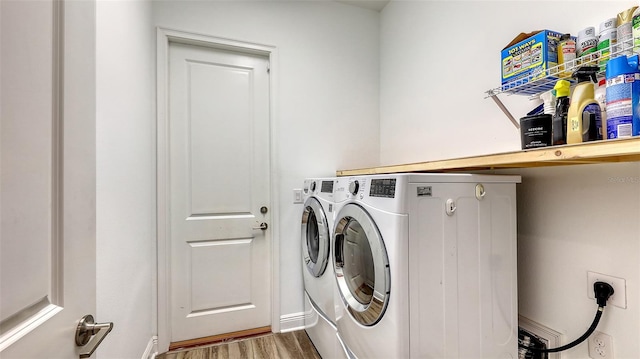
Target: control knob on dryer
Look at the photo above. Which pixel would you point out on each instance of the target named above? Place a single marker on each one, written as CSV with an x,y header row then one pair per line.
x,y
313,186
354,187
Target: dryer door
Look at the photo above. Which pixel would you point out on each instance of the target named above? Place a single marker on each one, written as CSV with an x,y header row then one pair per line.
x,y
315,237
361,265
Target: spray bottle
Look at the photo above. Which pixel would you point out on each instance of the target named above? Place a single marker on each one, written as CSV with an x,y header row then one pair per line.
x,y
623,97
549,102
559,123
584,121
625,31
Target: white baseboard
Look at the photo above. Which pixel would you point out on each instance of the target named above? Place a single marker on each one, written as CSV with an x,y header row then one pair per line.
x,y
152,348
291,322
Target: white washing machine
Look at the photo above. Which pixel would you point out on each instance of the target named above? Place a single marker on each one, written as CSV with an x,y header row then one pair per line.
x,y
426,266
317,265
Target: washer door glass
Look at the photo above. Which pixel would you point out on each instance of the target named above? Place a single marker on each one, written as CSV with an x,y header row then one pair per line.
x,y
362,265
315,237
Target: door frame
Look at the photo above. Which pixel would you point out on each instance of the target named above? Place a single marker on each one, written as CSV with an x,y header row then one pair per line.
x,y
163,37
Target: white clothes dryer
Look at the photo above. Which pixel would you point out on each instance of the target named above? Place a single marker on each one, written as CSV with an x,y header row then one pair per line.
x,y
317,265
426,266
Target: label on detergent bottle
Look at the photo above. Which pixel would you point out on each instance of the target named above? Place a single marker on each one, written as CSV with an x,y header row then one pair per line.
x,y
574,122
620,105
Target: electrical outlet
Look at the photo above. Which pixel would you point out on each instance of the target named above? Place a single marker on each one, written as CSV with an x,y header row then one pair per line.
x,y
297,196
619,297
600,346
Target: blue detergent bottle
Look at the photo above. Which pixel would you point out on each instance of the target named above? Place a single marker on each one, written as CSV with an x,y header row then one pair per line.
x,y
623,95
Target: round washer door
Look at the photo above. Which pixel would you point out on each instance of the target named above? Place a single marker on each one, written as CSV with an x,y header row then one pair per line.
x,y
361,265
315,237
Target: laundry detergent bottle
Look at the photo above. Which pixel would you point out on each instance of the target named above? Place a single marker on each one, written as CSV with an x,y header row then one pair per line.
x,y
584,119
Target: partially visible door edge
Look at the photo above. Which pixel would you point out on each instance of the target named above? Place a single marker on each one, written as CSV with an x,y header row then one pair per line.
x,y
38,313
163,37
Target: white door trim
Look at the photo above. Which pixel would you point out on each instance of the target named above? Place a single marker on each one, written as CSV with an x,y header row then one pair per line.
x,y
163,37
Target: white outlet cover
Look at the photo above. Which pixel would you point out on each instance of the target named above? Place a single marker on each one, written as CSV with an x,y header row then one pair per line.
x,y
619,297
600,346
297,196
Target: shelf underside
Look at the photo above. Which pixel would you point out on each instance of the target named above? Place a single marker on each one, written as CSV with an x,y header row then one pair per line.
x,y
609,151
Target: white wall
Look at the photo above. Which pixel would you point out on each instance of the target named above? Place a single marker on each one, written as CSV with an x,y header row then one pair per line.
x,y
327,96
327,109
125,176
572,220
437,59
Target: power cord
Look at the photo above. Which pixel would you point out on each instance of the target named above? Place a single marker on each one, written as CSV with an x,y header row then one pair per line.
x,y
602,292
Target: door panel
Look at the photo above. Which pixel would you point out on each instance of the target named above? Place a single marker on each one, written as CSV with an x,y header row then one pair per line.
x,y
221,142
208,257
219,180
47,244
27,168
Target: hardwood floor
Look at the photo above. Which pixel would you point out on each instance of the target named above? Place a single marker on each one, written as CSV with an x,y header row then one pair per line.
x,y
291,345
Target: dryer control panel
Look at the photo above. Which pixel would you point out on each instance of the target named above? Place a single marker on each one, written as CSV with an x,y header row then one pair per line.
x,y
383,187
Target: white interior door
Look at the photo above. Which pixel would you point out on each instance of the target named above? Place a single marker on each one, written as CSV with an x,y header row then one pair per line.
x,y
219,183
47,245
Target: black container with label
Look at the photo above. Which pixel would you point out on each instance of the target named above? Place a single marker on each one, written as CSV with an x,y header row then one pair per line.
x,y
535,131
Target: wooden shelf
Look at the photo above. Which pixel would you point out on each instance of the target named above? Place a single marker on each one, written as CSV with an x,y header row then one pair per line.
x,y
609,151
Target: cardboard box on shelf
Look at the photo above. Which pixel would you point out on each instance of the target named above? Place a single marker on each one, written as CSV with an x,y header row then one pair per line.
x,y
527,57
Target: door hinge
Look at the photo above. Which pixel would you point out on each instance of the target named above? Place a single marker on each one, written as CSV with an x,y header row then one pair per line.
x,y
268,69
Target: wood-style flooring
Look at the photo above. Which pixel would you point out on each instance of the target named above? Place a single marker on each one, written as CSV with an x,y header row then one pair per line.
x,y
291,345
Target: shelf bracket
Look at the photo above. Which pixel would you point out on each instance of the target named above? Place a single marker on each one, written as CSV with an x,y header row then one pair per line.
x,y
504,109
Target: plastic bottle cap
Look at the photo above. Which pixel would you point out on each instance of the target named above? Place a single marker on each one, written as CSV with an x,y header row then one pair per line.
x,y
622,65
587,32
608,24
562,88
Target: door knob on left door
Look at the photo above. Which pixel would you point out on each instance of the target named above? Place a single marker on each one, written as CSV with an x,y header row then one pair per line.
x,y
88,328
